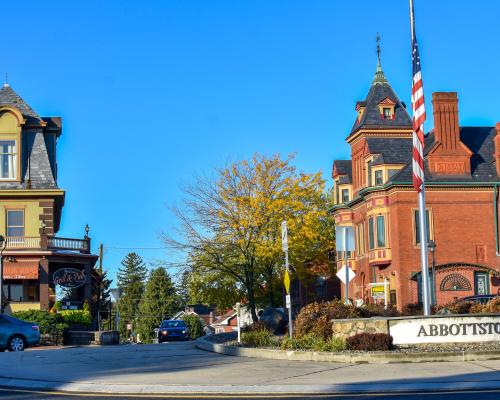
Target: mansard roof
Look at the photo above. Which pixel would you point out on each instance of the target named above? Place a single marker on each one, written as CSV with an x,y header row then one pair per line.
x,y
390,150
8,97
479,140
344,170
380,90
38,159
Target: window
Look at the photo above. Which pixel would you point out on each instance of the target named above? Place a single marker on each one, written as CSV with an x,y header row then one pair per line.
x,y
360,239
13,292
379,177
380,231
345,195
15,223
387,112
376,232
8,159
371,233
336,193
369,170
416,218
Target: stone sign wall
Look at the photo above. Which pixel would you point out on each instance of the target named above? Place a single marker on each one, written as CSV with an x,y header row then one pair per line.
x,y
446,329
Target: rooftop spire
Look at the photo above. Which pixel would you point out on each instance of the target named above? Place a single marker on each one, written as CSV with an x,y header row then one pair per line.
x,y
379,74
6,84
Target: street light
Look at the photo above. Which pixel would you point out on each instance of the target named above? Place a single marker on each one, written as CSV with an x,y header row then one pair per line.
x,y
432,248
3,244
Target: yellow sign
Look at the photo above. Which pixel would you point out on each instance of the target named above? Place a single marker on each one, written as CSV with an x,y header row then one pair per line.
x,y
287,282
377,290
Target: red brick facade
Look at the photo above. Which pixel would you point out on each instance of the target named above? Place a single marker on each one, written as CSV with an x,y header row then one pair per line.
x,y
462,175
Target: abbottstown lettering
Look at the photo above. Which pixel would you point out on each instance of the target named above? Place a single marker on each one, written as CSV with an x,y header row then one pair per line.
x,y
449,329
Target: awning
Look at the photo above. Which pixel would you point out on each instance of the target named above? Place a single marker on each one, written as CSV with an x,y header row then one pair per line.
x,y
20,270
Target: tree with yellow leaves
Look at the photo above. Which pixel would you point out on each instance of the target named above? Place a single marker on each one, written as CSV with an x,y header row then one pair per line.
x,y
231,225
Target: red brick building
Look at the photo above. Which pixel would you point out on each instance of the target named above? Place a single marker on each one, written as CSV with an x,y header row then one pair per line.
x,y
374,194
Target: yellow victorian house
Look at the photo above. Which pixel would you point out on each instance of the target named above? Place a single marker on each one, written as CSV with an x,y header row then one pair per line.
x,y
36,263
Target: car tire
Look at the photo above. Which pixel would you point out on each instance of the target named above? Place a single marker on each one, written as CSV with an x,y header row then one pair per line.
x,y
16,343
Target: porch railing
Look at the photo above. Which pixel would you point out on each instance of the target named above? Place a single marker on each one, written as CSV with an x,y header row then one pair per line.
x,y
46,242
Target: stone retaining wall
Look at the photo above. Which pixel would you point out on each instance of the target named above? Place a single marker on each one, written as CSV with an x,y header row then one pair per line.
x,y
344,328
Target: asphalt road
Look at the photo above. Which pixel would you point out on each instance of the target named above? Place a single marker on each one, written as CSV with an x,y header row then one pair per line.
x,y
182,368
456,395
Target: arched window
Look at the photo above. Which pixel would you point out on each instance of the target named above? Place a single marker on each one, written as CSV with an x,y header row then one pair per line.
x,y
455,282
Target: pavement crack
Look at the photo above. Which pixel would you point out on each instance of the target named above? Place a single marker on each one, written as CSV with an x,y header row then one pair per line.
x,y
309,373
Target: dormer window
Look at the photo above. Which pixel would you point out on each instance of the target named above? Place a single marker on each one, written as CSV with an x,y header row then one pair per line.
x,y
345,195
386,108
8,159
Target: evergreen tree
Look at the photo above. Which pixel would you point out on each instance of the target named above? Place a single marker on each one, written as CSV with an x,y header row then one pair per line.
x,y
131,279
160,301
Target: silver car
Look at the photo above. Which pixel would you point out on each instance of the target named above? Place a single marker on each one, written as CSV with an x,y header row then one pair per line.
x,y
16,335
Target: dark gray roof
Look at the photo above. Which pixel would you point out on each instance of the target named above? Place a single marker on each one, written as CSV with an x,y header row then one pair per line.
x,y
390,150
479,140
344,169
38,163
11,98
379,90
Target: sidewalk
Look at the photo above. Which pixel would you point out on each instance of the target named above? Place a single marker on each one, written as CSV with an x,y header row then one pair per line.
x,y
181,368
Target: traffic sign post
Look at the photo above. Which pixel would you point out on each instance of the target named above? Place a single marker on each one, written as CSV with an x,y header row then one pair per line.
x,y
284,245
344,241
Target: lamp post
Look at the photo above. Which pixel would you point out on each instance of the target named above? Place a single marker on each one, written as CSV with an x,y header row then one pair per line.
x,y
432,248
3,244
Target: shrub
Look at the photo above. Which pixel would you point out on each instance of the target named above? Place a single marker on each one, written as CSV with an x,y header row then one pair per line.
x,y
369,342
194,325
315,343
256,326
378,310
315,318
76,319
416,309
258,338
492,306
50,324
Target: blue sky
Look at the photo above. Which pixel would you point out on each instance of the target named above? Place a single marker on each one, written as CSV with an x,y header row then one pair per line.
x,y
154,92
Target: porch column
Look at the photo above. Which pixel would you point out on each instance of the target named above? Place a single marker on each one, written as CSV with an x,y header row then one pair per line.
x,y
44,284
87,292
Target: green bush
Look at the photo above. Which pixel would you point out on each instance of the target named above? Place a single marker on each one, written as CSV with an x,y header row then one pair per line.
x,y
378,310
370,342
50,324
312,342
76,318
258,338
194,324
315,318
255,326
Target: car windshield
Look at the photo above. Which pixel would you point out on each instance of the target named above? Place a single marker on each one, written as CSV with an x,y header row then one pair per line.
x,y
173,324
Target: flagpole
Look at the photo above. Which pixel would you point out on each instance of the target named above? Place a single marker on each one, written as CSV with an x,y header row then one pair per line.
x,y
422,215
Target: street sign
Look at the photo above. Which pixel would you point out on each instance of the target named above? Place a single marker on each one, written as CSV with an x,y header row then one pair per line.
x,y
341,274
287,282
288,302
284,236
347,243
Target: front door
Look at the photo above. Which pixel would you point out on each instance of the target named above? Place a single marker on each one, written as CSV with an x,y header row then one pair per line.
x,y
481,283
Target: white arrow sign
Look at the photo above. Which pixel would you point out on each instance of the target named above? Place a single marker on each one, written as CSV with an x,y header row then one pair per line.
x,y
341,274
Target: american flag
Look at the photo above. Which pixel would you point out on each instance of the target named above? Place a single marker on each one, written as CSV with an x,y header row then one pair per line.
x,y
418,107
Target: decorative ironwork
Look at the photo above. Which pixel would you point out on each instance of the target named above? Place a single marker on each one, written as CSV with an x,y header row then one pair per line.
x,y
455,282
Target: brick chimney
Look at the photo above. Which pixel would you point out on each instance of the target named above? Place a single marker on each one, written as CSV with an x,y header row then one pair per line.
x,y
448,156
497,147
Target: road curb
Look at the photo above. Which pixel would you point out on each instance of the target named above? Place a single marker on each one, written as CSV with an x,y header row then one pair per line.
x,y
375,357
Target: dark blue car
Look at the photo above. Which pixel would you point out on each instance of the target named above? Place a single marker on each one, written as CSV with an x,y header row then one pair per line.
x,y
173,330
16,335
